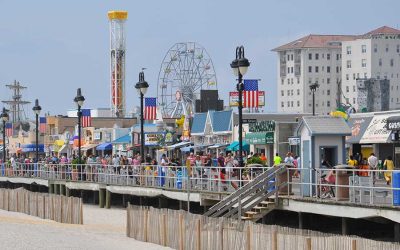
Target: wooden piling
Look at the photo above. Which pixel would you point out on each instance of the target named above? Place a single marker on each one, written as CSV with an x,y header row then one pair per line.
x,y
108,199
308,243
101,197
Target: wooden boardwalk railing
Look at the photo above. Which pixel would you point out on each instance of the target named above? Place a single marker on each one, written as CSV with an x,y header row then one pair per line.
x,y
46,206
181,230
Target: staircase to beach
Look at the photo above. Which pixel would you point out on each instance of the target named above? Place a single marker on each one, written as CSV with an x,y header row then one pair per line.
x,y
253,200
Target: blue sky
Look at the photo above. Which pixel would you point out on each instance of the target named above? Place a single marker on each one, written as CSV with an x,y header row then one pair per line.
x,y
54,47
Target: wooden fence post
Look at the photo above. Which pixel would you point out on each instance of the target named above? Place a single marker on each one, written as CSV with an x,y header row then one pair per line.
x,y
146,214
164,225
354,244
128,220
248,237
180,231
274,241
198,234
308,243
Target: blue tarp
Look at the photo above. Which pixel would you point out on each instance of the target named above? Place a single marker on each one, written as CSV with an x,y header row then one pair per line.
x,y
234,146
124,139
104,146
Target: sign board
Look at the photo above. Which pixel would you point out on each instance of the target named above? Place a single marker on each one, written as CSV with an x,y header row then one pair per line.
x,y
294,141
393,123
234,99
377,131
262,126
248,121
97,136
153,139
260,138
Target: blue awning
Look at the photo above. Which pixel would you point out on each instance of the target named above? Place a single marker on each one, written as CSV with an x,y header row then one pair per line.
x,y
32,148
123,140
104,146
234,146
187,149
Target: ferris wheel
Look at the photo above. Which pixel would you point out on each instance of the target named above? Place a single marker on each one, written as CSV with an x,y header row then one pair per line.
x,y
186,69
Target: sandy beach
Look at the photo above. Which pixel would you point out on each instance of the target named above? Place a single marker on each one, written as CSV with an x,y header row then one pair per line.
x,y
102,229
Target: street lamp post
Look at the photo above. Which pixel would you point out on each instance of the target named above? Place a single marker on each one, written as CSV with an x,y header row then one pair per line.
x,y
4,117
239,67
36,109
313,88
79,100
141,87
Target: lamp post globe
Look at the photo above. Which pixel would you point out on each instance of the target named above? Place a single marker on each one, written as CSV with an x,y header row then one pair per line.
x,y
79,100
4,117
240,66
141,88
36,109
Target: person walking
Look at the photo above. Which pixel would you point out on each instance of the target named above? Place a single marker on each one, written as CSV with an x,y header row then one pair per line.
x,y
388,165
373,165
277,159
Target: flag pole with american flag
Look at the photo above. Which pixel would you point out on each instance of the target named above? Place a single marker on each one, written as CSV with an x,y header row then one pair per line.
x,y
250,93
150,110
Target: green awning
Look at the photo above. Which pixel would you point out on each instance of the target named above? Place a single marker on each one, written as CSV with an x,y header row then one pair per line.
x,y
260,138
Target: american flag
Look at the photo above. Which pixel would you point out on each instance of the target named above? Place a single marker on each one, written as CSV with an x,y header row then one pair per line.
x,y
9,129
150,108
250,94
86,118
42,125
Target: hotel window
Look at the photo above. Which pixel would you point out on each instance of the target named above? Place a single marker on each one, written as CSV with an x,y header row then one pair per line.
x,y
309,56
323,55
328,69
391,62
328,80
348,50
288,70
354,88
291,103
337,57
291,69
337,69
380,61
291,92
298,80
354,100
316,56
365,75
363,48
354,76
288,57
328,56
348,63
358,76
298,91
291,57
316,69
282,93
347,77
309,80
282,104
288,104
323,68
309,69
288,92
328,92
291,81
288,81
316,80
398,48
387,48
347,89
375,48
363,63
298,103
328,103
282,81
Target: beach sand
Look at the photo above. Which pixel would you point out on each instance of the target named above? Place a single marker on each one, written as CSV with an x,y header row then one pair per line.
x,y
102,229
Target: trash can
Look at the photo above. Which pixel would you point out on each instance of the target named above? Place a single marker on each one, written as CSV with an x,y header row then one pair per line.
x,y
342,179
282,178
396,184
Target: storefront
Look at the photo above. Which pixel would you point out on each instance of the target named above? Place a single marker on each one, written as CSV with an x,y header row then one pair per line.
x,y
358,127
261,136
393,124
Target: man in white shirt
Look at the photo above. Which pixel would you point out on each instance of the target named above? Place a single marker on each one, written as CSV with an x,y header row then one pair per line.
x,y
373,164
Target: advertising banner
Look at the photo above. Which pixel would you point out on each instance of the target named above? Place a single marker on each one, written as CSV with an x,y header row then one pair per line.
x,y
234,99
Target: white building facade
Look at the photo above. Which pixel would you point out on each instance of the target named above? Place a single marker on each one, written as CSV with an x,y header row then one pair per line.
x,y
308,60
373,55
335,62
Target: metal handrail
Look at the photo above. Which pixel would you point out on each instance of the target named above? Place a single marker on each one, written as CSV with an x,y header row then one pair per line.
x,y
245,190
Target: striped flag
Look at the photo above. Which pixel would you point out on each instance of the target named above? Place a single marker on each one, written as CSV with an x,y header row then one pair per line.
x,y
86,118
9,129
42,125
150,109
250,94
